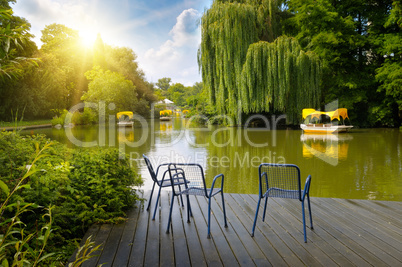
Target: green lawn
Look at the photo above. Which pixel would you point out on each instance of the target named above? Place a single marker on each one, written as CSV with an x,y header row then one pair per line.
x,y
24,123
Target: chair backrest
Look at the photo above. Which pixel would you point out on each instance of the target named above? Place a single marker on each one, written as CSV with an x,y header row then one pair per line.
x,y
150,169
283,180
193,173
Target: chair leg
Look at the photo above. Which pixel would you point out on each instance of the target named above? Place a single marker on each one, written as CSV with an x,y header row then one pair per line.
x,y
170,214
309,211
191,212
209,217
304,223
181,197
188,209
265,208
256,216
150,197
157,201
224,210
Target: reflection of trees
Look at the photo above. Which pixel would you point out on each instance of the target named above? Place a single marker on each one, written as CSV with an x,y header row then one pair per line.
x,y
372,170
377,164
236,153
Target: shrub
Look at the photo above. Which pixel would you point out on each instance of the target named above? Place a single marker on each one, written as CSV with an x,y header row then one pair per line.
x,y
83,187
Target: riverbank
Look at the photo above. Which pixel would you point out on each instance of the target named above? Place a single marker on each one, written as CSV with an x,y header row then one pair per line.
x,y
26,127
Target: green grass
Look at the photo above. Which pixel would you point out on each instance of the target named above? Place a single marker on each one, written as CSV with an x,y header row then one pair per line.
x,y
24,123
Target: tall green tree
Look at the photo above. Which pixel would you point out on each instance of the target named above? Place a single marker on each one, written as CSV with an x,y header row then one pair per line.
x,y
65,44
15,44
163,85
16,50
390,72
234,64
124,61
280,77
111,88
348,38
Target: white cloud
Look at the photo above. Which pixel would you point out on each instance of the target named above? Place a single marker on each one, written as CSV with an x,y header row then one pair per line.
x,y
176,58
73,14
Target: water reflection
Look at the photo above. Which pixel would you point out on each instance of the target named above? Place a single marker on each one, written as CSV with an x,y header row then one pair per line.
x,y
364,164
328,147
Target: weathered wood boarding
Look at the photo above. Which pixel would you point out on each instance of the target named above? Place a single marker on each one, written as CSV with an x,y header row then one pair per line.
x,y
346,233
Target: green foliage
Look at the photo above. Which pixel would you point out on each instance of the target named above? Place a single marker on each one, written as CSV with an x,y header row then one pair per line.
x,y
390,73
85,252
14,38
279,77
16,243
241,72
82,186
110,87
88,116
351,41
59,81
163,84
227,31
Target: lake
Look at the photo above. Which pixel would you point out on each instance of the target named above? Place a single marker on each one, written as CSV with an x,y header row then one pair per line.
x,y
361,164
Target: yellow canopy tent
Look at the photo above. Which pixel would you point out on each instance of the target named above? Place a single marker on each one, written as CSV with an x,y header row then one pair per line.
x,y
165,112
336,114
125,113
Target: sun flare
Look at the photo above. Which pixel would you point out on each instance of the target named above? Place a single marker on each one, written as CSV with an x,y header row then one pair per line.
x,y
88,37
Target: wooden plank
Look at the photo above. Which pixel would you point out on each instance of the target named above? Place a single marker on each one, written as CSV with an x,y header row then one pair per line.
x,y
110,248
223,246
328,243
384,220
126,241
346,232
100,239
246,214
386,209
208,246
374,243
166,257
140,238
286,245
348,237
197,257
151,257
266,229
179,217
243,234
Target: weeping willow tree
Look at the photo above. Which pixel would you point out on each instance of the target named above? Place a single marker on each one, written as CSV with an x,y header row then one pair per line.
x,y
279,77
234,61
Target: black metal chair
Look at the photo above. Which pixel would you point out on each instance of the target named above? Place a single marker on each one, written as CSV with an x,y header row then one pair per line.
x,y
164,182
195,184
283,181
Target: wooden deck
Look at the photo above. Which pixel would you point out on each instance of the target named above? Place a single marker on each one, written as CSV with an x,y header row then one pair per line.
x,y
346,233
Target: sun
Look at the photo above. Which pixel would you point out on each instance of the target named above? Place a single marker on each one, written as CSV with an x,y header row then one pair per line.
x,y
88,37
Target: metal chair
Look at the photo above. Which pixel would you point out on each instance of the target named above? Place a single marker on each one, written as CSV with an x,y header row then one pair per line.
x,y
283,181
164,182
195,184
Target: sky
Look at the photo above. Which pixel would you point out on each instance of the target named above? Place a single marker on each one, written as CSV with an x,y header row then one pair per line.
x,y
164,34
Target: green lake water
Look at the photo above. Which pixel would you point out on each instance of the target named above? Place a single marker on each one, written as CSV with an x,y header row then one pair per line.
x,y
362,164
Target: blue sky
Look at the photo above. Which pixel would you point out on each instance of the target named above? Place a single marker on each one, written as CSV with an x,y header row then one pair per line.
x,y
164,34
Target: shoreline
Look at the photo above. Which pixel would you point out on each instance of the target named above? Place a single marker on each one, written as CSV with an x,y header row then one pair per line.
x,y
10,128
